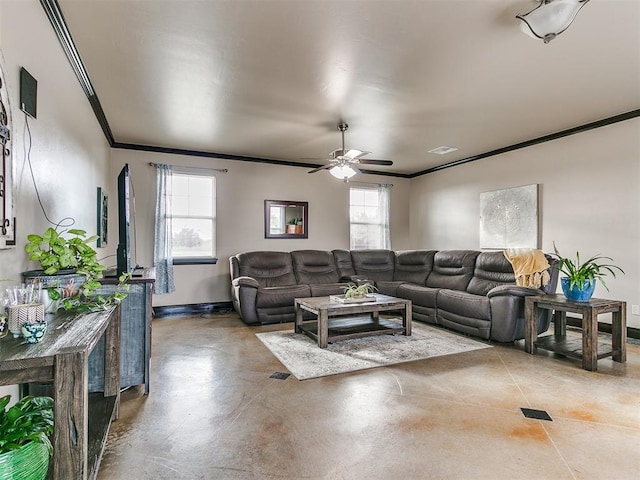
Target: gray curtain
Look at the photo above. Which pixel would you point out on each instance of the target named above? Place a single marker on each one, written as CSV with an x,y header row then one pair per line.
x,y
162,245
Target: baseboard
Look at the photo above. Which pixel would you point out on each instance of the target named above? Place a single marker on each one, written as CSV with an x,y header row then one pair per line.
x,y
192,309
603,327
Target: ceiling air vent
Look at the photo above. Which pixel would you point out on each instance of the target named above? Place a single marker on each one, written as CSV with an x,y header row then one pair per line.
x,y
443,150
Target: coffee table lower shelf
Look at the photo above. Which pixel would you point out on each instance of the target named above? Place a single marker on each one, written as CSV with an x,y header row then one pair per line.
x,y
570,346
345,328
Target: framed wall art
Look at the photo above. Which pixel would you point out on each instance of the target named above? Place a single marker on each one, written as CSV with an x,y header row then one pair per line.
x,y
103,217
509,218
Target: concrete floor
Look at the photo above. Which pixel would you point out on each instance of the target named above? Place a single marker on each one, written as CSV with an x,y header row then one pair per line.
x,y
214,413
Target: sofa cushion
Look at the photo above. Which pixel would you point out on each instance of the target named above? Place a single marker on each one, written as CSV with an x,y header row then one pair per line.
x,y
419,295
281,296
374,264
388,288
413,266
452,269
492,270
314,267
270,269
326,289
464,304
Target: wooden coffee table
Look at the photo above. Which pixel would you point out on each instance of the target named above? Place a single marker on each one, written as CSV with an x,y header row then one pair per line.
x,y
340,321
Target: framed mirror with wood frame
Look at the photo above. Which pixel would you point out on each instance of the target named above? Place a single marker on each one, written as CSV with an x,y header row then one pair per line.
x,y
286,219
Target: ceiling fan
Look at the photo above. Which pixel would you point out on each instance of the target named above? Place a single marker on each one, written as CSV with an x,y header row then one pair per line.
x,y
343,163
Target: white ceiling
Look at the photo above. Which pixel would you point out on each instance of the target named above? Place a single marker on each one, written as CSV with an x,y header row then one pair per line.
x,y
272,79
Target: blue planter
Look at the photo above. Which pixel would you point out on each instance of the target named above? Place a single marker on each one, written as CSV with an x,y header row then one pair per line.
x,y
579,293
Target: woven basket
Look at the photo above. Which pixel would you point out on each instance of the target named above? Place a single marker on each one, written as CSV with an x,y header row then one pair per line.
x,y
21,314
29,462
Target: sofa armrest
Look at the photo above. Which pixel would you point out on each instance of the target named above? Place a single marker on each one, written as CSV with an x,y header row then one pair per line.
x,y
245,295
245,282
513,291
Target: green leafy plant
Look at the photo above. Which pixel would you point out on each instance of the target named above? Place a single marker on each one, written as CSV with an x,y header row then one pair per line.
x,y
29,420
294,221
354,291
56,252
593,268
89,301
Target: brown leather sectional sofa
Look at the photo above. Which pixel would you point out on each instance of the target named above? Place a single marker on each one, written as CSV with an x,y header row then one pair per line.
x,y
469,291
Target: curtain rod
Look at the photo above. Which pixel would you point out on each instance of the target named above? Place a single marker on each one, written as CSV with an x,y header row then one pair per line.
x,y
376,184
221,170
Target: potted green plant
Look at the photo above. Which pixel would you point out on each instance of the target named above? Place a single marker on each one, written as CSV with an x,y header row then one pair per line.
x,y
359,291
291,226
25,447
580,277
72,254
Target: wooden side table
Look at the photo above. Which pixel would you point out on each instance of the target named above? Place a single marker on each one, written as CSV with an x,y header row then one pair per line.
x,y
589,349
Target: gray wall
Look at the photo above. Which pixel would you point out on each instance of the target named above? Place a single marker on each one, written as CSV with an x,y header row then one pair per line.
x,y
240,215
590,200
69,155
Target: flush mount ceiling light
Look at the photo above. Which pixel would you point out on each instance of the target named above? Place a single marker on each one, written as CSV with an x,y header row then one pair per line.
x,y
343,171
550,18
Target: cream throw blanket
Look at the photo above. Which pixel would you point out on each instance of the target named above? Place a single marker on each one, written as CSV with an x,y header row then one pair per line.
x,y
530,267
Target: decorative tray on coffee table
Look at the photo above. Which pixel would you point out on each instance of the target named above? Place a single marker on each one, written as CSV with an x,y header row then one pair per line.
x,y
343,299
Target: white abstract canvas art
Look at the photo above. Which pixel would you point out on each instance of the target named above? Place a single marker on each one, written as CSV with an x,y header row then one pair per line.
x,y
509,218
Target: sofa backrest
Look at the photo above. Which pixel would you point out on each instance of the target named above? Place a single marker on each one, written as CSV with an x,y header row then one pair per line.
x,y
452,269
492,270
343,263
413,266
270,269
376,265
314,267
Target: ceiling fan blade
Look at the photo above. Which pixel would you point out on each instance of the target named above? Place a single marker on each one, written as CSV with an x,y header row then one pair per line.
x,y
324,167
354,154
364,161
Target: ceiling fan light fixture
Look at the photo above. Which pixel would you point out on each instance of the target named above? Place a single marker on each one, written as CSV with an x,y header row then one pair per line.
x,y
550,18
343,171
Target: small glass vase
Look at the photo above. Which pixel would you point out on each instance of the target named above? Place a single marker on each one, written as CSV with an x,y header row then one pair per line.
x,y
578,293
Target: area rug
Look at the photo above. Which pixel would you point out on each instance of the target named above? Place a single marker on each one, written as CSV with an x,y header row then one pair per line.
x,y
304,359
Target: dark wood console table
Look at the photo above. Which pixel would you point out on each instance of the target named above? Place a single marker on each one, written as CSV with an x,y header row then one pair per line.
x,y
81,420
136,314
589,349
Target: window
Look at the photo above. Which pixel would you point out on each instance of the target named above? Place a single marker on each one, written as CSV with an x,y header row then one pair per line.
x,y
369,217
193,217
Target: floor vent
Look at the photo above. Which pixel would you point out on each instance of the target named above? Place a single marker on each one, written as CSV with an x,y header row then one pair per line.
x,y
537,414
280,375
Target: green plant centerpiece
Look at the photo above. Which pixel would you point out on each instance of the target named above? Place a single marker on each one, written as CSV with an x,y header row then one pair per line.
x,y
25,446
71,250
358,291
580,276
